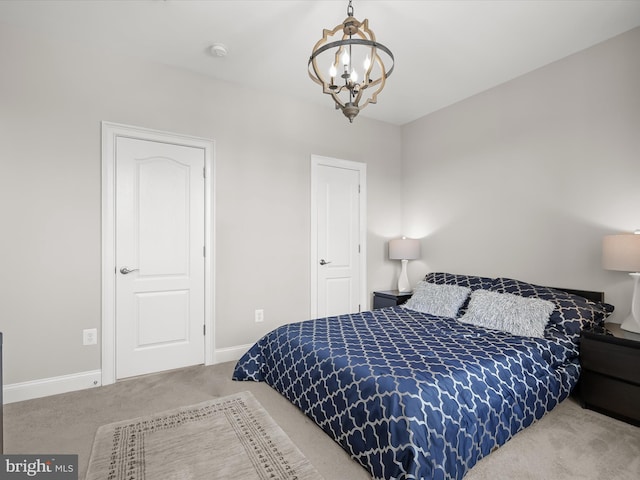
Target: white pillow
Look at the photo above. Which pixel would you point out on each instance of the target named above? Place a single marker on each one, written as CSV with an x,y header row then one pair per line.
x,y
438,300
508,312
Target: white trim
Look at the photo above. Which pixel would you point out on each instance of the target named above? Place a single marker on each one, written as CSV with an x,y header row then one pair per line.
x,y
210,260
17,392
231,354
361,168
110,132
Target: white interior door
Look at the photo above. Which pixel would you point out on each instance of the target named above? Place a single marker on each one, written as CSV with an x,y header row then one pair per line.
x,y
160,277
338,246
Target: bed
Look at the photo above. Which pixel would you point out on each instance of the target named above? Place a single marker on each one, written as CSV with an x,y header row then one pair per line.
x,y
425,390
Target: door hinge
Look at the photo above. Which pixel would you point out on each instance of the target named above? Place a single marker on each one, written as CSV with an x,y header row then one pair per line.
x,y
358,188
204,251
358,248
204,330
204,172
359,308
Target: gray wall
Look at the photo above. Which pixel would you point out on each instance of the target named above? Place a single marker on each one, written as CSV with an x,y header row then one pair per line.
x,y
522,180
525,179
53,97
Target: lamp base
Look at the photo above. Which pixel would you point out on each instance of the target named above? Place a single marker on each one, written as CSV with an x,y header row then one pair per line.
x,y
403,280
632,322
630,325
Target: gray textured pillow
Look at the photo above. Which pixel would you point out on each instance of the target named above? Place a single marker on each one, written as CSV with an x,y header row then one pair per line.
x,y
439,300
507,312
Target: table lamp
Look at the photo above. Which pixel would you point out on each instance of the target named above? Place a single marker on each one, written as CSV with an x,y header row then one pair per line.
x,y
622,252
404,249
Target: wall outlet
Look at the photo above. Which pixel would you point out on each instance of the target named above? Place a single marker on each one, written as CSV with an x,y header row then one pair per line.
x,y
90,336
259,315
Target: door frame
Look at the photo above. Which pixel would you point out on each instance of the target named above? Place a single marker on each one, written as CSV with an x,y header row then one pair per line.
x,y
318,161
110,133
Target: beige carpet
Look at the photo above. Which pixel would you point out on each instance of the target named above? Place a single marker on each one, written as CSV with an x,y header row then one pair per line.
x,y
569,443
230,437
566,444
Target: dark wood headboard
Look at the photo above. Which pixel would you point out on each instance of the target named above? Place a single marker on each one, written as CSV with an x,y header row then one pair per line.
x,y
588,294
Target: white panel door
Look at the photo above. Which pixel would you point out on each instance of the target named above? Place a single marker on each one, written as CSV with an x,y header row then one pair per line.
x,y
338,239
159,256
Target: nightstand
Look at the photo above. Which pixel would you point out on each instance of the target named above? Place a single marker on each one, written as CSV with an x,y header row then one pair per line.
x,y
610,379
1,424
389,298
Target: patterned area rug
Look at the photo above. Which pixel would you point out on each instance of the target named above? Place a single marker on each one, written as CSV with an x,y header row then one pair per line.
x,y
225,438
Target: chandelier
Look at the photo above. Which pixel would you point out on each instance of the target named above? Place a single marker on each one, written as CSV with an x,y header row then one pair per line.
x,y
350,69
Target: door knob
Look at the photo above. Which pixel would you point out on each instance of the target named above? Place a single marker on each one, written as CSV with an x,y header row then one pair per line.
x,y
125,270
324,262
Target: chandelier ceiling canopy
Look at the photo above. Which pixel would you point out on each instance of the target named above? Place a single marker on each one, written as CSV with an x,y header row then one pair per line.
x,y
350,65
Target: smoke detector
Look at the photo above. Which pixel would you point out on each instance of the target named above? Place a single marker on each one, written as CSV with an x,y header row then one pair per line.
x,y
218,50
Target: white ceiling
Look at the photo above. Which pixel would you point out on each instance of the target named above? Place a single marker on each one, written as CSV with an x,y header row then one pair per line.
x,y
444,51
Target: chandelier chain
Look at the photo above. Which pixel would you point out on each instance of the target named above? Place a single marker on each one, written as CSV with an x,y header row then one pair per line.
x,y
350,10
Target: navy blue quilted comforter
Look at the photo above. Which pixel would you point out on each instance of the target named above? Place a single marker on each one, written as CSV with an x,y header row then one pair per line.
x,y
409,395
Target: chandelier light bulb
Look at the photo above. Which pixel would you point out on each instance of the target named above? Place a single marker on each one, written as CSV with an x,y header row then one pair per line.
x,y
345,58
367,62
333,71
354,76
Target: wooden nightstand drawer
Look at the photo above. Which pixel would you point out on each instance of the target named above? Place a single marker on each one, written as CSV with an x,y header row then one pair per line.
x,y
389,298
612,359
616,398
610,378
382,302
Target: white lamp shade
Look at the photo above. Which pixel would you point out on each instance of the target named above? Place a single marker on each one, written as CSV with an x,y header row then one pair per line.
x,y
621,252
404,249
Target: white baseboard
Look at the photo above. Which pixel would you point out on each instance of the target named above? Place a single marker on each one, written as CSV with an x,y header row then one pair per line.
x,y
18,392
231,354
